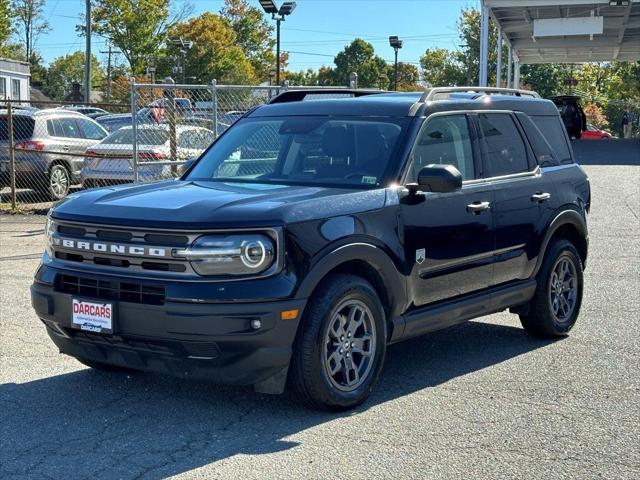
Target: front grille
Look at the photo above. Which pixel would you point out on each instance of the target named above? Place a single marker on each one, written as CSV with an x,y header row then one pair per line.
x,y
125,238
110,290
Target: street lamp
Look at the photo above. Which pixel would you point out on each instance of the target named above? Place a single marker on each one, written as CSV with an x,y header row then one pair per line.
x,y
184,47
396,43
278,14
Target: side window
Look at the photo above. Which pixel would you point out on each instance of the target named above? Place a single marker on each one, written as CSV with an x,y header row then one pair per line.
x,y
444,140
69,128
506,152
90,130
554,132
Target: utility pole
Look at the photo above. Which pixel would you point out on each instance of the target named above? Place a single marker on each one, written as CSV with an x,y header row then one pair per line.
x,y
87,54
109,53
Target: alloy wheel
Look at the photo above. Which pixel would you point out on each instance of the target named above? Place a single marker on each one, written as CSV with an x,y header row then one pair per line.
x,y
349,345
563,289
59,181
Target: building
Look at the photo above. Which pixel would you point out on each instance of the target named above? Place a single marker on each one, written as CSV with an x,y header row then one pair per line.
x,y
14,80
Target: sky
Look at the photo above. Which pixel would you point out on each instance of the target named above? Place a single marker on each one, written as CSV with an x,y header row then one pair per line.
x,y
315,32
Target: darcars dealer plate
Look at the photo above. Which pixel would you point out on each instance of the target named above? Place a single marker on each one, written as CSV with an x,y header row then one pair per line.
x,y
92,317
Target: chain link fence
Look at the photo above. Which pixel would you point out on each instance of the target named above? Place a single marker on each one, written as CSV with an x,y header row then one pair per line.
x,y
50,149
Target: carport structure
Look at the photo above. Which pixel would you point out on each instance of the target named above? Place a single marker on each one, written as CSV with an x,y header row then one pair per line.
x,y
559,31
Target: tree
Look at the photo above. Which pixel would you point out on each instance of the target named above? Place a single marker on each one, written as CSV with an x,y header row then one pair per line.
x,y
359,57
595,115
214,54
440,68
137,28
546,78
30,22
5,23
67,70
253,35
408,78
303,78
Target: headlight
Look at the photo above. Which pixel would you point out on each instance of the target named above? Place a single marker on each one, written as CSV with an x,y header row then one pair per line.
x,y
231,255
49,231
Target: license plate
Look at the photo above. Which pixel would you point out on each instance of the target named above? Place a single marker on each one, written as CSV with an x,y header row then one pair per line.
x,y
92,316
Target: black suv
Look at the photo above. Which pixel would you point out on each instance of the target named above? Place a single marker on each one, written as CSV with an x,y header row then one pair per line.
x,y
315,232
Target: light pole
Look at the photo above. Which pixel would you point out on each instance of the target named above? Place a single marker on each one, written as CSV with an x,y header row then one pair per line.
x,y
278,14
184,47
396,43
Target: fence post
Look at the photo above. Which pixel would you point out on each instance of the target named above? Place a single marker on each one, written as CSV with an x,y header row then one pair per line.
x,y
214,106
134,128
12,159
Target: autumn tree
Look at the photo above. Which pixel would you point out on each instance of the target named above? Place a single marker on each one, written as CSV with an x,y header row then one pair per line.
x,y
215,53
408,77
253,35
138,28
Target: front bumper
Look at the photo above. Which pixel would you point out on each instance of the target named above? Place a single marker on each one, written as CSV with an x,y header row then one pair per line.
x,y
213,341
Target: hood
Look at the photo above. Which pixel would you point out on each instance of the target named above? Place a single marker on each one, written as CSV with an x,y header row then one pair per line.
x,y
198,205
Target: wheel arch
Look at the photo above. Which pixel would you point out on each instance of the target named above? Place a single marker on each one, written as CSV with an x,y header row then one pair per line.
x,y
368,262
569,225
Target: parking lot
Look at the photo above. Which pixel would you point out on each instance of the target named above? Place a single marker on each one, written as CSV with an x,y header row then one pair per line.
x,y
481,400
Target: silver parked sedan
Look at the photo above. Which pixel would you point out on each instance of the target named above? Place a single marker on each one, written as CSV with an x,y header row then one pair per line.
x,y
49,146
111,161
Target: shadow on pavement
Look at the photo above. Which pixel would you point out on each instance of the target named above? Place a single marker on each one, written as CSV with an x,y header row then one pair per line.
x,y
607,152
88,423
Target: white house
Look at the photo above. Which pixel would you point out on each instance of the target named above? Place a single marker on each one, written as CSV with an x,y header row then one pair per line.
x,y
14,80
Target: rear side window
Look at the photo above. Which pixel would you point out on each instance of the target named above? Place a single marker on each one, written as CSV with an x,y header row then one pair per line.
x,y
544,154
22,127
69,128
554,132
505,149
90,130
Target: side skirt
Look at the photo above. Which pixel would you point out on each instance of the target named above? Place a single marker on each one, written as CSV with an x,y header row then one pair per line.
x,y
453,312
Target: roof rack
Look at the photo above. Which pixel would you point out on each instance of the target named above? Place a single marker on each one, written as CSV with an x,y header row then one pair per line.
x,y
431,93
299,95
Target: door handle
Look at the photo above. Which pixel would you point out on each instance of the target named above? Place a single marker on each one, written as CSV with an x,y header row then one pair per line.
x,y
65,148
478,207
540,197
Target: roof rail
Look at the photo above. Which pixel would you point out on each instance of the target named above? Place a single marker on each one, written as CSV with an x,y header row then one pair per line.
x,y
299,95
431,93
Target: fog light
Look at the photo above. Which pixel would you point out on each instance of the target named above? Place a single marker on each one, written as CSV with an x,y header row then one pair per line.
x,y
256,324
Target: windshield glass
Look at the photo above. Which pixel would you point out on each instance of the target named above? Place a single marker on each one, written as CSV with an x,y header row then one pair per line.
x,y
306,150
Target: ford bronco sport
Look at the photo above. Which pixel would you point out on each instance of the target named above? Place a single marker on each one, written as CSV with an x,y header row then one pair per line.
x,y
315,232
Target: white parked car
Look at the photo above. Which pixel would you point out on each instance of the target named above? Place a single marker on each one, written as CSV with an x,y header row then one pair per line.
x,y
113,160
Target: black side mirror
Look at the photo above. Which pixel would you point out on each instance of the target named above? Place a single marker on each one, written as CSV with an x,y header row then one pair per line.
x,y
437,178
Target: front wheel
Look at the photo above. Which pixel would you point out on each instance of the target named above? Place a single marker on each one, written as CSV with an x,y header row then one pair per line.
x,y
340,348
555,306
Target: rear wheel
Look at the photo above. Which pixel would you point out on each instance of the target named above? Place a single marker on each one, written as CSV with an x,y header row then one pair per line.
x,y
340,347
59,182
554,309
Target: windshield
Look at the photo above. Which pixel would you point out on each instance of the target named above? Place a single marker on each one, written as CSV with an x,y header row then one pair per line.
x,y
305,150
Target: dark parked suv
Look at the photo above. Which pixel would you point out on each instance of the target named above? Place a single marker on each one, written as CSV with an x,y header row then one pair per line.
x,y
315,232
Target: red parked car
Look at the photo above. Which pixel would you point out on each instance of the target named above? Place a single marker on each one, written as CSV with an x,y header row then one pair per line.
x,y
593,133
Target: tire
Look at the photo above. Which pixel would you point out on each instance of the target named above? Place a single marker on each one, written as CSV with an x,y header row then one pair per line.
x,y
103,367
330,319
554,308
58,182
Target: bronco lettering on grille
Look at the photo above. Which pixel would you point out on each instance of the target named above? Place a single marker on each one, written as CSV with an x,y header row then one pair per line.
x,y
114,248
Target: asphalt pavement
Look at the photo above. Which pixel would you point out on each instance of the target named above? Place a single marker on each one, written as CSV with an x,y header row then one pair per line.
x,y
481,400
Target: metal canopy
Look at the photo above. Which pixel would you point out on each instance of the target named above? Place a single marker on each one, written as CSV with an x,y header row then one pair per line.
x,y
569,31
